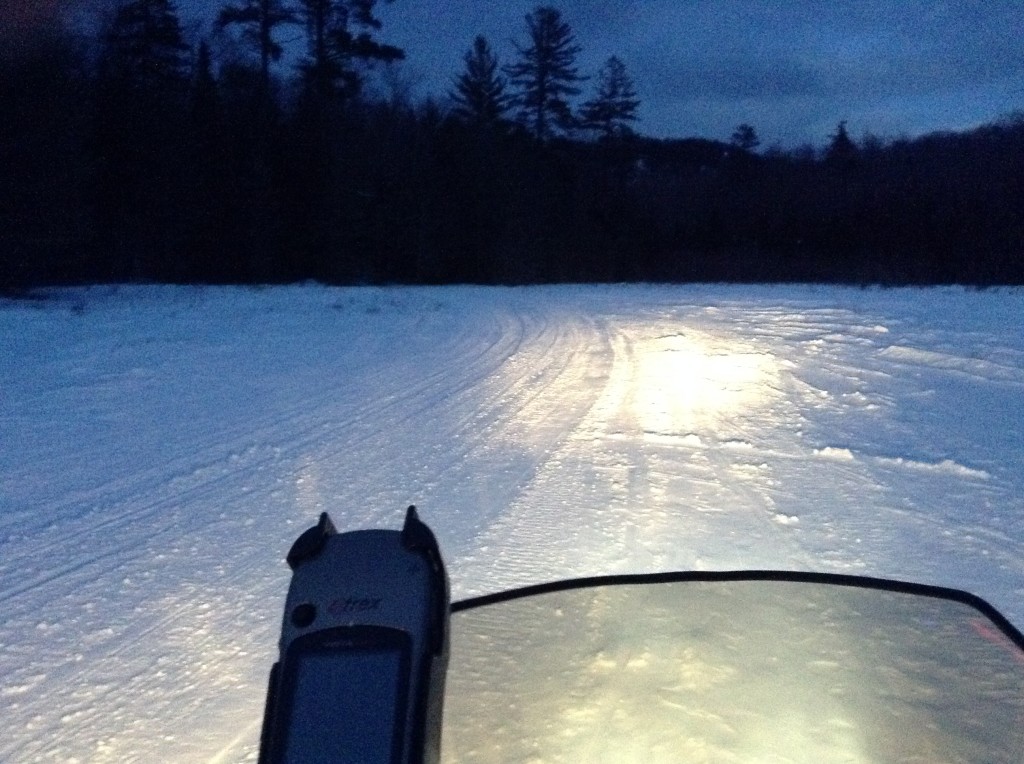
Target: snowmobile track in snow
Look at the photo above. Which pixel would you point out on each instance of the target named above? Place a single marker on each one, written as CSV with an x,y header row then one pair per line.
x,y
163,446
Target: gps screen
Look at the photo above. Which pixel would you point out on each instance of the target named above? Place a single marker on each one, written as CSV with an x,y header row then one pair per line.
x,y
346,702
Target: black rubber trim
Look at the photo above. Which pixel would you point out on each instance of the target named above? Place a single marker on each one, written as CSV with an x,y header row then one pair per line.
x,y
780,576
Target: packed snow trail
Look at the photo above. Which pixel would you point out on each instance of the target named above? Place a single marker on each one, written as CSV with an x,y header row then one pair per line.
x,y
160,448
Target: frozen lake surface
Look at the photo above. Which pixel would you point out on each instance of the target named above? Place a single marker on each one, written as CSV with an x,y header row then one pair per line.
x,y
161,447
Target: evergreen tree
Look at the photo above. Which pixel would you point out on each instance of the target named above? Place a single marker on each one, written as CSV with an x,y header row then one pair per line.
x,y
259,19
615,103
339,38
545,75
46,172
745,137
841,148
142,92
479,94
144,50
205,101
211,182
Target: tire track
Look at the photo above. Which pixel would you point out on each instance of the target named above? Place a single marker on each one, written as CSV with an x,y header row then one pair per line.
x,y
408,387
115,520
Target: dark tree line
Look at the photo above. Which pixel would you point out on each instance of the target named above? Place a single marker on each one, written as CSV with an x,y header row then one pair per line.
x,y
137,156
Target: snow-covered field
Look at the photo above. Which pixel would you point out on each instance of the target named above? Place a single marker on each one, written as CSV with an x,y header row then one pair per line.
x,y
160,448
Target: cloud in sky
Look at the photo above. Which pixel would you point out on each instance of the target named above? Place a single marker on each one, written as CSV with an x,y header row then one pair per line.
x,y
793,69
798,70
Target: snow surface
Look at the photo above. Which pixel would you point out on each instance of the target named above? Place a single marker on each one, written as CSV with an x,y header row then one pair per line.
x,y
161,447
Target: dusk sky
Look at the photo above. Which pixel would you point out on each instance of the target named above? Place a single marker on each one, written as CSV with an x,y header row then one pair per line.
x,y
791,68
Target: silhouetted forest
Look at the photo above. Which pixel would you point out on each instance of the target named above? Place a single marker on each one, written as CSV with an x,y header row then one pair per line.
x,y
131,159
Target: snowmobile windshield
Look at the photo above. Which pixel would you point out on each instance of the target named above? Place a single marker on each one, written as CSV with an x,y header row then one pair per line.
x,y
749,667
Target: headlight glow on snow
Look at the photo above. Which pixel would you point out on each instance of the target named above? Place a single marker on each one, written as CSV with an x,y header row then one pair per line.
x,y
686,383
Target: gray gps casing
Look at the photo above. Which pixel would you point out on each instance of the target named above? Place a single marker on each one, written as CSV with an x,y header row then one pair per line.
x,y
362,606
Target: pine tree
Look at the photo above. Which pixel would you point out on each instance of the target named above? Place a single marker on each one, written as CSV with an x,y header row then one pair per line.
x,y
615,103
479,94
545,75
745,137
259,19
205,102
339,36
142,102
144,50
841,149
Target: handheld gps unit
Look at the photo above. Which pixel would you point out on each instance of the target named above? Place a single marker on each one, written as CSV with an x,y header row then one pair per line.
x,y
363,651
